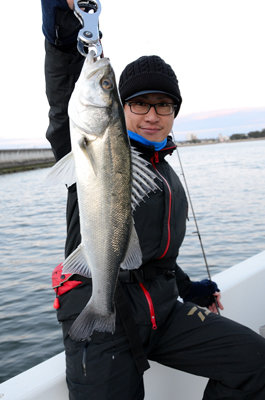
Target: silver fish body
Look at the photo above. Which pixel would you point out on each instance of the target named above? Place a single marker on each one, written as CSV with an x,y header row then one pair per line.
x,y
111,179
103,168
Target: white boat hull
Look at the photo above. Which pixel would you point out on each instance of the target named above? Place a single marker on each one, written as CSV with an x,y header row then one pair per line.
x,y
243,297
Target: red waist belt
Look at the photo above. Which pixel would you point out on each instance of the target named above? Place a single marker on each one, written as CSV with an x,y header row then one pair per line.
x,y
61,283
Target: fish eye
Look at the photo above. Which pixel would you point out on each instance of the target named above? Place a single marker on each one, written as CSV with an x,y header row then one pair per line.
x,y
107,84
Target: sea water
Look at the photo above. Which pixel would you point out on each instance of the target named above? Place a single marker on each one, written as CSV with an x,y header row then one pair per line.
x,y
226,186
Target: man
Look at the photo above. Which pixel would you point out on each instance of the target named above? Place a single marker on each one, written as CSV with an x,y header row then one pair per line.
x,y
151,322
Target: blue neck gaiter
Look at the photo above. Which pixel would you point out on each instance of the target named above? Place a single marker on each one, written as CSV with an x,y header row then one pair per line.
x,y
138,138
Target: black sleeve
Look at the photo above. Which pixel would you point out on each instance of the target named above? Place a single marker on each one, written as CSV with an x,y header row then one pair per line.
x,y
62,69
63,64
183,282
73,238
59,25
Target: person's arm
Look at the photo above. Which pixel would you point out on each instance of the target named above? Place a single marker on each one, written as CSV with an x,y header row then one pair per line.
x,y
59,24
63,64
183,282
62,69
202,292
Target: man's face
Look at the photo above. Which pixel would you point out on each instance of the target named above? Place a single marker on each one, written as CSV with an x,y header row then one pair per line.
x,y
151,126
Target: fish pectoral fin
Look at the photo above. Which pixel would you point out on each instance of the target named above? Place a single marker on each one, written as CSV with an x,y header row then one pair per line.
x,y
76,263
133,257
63,171
88,151
143,181
84,143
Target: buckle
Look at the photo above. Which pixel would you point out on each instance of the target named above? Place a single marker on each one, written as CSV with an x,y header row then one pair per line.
x,y
125,276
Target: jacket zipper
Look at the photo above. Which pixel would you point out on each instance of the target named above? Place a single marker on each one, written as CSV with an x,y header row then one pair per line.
x,y
154,160
150,305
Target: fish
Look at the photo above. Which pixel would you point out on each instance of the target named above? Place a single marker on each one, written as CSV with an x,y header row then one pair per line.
x,y
112,179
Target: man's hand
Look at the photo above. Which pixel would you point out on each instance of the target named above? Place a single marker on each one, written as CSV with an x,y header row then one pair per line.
x,y
70,4
212,307
204,293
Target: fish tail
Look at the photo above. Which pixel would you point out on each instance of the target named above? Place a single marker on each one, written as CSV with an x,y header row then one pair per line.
x,y
89,321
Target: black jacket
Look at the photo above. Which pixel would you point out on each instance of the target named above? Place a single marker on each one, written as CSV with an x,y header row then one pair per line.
x,y
160,220
160,228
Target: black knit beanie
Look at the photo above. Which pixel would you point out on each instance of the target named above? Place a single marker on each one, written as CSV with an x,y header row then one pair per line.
x,y
149,74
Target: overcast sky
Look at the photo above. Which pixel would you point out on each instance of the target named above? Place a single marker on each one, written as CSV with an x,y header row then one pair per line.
x,y
215,47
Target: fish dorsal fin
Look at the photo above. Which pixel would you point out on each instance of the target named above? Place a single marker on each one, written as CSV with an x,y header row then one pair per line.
x,y
76,263
143,181
63,171
133,257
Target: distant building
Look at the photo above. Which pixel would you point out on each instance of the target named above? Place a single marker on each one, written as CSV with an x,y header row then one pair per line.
x,y
222,138
192,137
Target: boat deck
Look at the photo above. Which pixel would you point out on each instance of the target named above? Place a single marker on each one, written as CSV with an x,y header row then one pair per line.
x,y
243,297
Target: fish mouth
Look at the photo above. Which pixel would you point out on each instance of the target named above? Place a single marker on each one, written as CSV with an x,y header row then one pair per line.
x,y
95,66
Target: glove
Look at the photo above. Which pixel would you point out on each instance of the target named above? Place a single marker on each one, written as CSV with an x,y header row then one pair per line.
x,y
201,293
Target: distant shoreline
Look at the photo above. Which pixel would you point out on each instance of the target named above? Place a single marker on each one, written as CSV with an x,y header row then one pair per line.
x,y
19,160
213,141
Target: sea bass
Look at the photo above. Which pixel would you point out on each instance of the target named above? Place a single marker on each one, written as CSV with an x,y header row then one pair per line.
x,y
104,168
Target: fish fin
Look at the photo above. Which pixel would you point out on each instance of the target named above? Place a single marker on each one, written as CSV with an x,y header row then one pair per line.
x,y
89,321
63,171
133,257
143,181
76,263
84,144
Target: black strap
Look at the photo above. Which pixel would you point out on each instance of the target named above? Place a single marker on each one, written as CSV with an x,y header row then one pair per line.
x,y
129,325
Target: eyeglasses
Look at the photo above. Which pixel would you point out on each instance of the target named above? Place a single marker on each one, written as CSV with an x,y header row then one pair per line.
x,y
144,108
